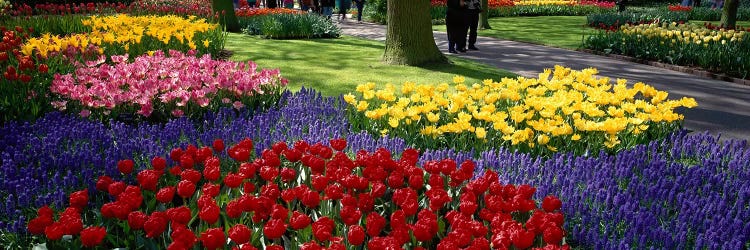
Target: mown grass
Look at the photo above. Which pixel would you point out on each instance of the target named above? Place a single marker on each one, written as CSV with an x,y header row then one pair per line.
x,y
555,31
337,66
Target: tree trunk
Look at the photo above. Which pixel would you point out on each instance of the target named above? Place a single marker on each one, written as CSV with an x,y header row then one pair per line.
x,y
227,18
483,22
408,39
729,13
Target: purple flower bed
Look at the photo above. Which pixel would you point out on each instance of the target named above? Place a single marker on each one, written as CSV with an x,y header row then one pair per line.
x,y
688,191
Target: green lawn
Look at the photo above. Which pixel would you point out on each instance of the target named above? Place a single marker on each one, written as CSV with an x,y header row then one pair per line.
x,y
556,31
743,24
337,66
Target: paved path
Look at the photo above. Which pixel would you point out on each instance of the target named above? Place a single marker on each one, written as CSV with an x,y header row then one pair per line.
x,y
723,107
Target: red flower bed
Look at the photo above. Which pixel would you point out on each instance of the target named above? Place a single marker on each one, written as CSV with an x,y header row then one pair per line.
x,y
680,8
314,196
248,12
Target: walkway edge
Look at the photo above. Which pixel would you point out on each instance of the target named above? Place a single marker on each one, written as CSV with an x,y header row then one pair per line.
x,y
678,68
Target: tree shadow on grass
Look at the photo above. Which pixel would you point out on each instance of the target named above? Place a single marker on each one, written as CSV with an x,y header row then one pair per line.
x,y
462,67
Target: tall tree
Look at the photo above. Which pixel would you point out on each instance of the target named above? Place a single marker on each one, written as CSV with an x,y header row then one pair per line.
x,y
483,22
227,18
408,40
729,14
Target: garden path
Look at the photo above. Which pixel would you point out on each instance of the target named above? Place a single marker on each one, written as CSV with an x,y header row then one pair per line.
x,y
723,107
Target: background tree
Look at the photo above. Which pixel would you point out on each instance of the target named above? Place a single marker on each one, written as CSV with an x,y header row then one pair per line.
x,y
408,39
729,13
227,18
483,22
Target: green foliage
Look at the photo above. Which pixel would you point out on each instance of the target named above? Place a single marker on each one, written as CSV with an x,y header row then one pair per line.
x,y
708,14
55,25
732,58
376,11
34,2
438,12
290,26
606,20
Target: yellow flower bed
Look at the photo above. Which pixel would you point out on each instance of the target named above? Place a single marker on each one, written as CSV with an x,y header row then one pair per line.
x,y
48,44
128,32
687,33
545,2
562,108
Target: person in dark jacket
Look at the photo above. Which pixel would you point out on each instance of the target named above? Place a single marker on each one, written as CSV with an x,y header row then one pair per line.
x,y
473,8
360,8
326,7
455,23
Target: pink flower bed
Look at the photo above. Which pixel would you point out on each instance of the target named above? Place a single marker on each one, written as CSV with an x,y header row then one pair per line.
x,y
173,82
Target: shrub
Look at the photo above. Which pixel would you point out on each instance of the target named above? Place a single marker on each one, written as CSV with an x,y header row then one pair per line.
x,y
562,110
615,19
687,44
709,14
290,26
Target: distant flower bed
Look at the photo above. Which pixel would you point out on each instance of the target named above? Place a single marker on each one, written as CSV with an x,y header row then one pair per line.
x,y
288,25
561,110
140,7
506,8
134,35
249,12
714,49
173,85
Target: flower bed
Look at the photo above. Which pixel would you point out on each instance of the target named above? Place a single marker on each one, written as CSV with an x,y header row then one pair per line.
x,y
177,84
120,34
507,8
613,21
289,26
687,44
250,12
141,7
562,110
315,196
681,179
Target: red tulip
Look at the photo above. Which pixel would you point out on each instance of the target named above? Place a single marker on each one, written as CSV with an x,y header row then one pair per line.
x,y
239,234
213,238
185,188
218,145
338,144
322,229
159,163
551,203
209,213
274,229
93,236
356,235
166,194
79,199
125,166
299,220
136,219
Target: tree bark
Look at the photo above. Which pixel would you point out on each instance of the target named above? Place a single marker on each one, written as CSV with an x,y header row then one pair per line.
x,y
227,18
409,38
484,16
729,13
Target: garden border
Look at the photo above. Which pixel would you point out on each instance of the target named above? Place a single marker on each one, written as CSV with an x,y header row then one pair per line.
x,y
679,68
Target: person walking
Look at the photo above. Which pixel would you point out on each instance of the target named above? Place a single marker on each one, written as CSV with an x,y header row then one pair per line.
x,y
326,7
473,8
455,24
360,7
344,6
